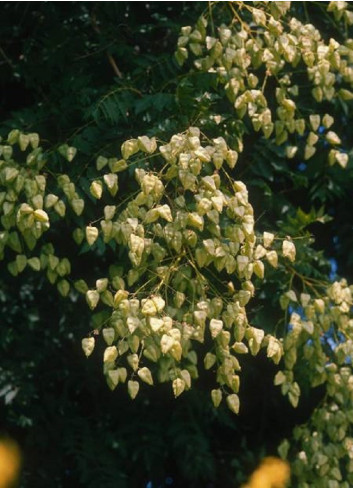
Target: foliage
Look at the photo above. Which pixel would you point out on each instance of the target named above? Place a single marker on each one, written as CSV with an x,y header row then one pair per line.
x,y
195,244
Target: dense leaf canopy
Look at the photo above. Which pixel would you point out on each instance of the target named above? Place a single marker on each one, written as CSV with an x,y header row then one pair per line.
x,y
175,191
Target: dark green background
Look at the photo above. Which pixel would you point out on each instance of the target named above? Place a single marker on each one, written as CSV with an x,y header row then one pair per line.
x,y
56,79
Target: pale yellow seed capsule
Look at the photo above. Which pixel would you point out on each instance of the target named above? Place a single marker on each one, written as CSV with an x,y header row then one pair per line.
x,y
130,147
216,396
185,375
101,284
233,403
133,361
88,346
122,372
178,387
209,360
268,239
108,335
41,215
133,387
288,250
145,375
113,378
272,258
96,189
111,181
110,354
78,206
91,234
167,343
216,326
92,297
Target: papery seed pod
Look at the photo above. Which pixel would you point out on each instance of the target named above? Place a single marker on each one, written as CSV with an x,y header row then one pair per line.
x,y
179,299
260,252
341,158
288,250
10,174
314,121
41,215
259,269
319,305
151,216
146,144
88,346
268,239
63,287
185,375
60,208
109,211
12,137
78,235
107,298
167,342
23,141
240,348
34,263
133,361
272,258
101,162
91,234
110,354
21,262
178,387
101,284
152,352
37,201
122,372
145,375
111,181
96,189
156,324
165,212
133,342
71,153
332,138
108,335
119,296
233,403
195,220
116,165
92,298
309,151
78,206
133,324
12,268
209,360
216,326
133,387
274,350
81,286
327,121
50,200
113,378
7,153
216,396
234,383
176,351
129,148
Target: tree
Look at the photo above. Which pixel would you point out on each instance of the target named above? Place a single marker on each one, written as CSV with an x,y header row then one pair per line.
x,y
186,207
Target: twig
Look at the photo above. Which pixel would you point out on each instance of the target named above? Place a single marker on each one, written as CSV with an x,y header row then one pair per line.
x,y
6,58
111,60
